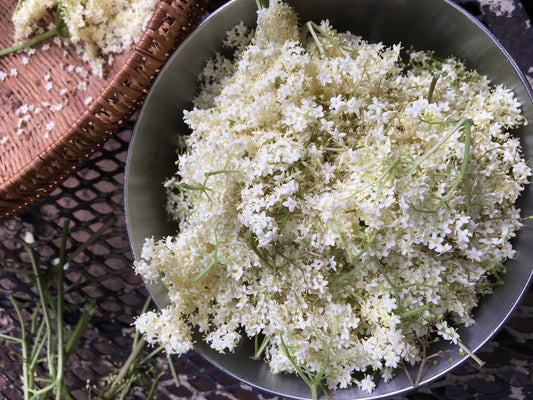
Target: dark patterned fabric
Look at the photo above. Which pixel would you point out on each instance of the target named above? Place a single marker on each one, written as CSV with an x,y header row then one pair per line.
x,y
95,194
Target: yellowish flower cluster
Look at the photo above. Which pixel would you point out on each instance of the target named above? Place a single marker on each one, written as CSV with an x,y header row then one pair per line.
x,y
100,27
337,201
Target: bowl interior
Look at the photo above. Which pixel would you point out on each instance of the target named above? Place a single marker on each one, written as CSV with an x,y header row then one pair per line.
x,y
423,24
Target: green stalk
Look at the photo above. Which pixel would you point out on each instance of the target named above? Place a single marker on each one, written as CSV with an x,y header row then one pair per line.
x,y
260,348
24,345
380,179
213,262
10,339
312,26
315,38
29,43
250,240
464,163
173,370
37,349
81,326
469,352
417,311
43,295
423,158
116,385
59,315
432,87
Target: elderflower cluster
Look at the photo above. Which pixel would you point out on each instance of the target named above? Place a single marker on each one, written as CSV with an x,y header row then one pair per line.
x,y
100,27
336,201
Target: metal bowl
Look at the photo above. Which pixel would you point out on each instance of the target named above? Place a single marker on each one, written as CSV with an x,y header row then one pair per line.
x,y
423,24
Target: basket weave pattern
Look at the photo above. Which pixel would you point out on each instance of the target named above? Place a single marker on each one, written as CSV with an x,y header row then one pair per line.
x,y
50,146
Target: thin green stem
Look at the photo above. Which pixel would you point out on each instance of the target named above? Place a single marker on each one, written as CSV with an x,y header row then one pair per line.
x,y
215,260
315,38
470,353
250,240
59,315
415,311
36,351
24,346
80,329
432,86
10,339
461,176
379,180
459,124
33,41
173,371
43,297
312,26
259,349
111,393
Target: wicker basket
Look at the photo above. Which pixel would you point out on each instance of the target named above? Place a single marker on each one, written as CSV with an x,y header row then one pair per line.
x,y
55,113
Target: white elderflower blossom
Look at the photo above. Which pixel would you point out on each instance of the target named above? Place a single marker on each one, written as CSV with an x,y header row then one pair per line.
x,y
100,27
330,204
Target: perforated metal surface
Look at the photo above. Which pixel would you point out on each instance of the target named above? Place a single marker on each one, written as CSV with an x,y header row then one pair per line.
x,y
95,194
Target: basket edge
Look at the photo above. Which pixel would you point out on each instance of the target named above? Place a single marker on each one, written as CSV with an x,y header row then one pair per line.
x,y
103,118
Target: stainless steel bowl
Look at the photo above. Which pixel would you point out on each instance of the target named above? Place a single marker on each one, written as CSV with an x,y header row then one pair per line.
x,y
423,24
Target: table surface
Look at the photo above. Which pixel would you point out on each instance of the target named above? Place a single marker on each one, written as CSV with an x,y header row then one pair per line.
x,y
95,194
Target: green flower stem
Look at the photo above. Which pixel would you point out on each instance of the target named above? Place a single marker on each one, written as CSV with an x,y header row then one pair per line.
x,y
423,361
378,181
432,87
304,374
464,163
221,171
315,38
215,260
469,352
173,370
250,240
415,311
461,176
34,358
24,345
29,43
43,296
259,349
312,26
81,326
59,313
111,393
458,125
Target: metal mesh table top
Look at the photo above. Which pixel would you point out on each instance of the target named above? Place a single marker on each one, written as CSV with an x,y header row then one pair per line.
x,y
105,275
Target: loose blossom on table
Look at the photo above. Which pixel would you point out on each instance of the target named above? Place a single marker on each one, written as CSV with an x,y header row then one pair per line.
x,y
339,202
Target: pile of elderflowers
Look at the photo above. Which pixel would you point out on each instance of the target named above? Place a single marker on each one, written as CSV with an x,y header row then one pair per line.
x,y
100,27
336,202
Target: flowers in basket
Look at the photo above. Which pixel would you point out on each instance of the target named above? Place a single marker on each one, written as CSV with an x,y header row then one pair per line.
x,y
100,27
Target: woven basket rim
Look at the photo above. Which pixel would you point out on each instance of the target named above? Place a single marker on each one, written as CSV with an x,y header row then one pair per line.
x,y
169,25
